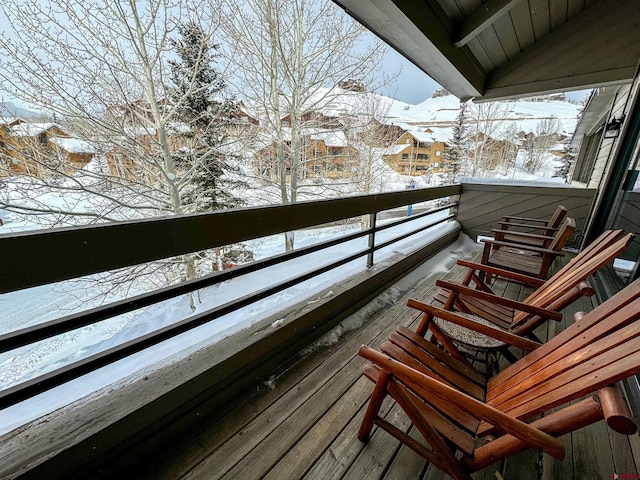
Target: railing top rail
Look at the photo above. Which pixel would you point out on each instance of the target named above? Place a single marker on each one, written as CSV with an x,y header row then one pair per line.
x,y
29,259
531,186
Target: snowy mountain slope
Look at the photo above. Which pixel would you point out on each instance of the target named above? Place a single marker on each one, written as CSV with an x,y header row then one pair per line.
x,y
441,110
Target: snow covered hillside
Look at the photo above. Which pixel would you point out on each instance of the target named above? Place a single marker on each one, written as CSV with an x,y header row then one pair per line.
x,y
442,109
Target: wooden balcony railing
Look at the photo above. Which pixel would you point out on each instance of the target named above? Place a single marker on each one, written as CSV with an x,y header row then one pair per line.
x,y
68,253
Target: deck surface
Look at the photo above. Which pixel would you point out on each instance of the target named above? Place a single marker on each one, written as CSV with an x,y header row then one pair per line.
x,y
304,423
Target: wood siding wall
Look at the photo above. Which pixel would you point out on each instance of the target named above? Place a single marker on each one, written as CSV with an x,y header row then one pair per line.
x,y
608,145
482,206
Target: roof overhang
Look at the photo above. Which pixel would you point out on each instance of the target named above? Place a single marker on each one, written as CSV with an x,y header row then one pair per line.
x,y
510,48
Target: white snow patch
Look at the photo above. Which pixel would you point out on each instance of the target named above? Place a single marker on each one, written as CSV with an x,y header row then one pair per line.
x,y
277,323
441,262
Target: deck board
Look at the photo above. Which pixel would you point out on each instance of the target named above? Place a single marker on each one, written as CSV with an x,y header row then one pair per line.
x,y
306,425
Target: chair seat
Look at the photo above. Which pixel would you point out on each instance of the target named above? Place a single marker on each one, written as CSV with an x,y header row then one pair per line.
x,y
527,258
469,338
515,260
498,315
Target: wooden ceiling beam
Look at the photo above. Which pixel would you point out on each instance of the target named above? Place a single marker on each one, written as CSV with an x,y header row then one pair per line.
x,y
422,32
481,19
556,85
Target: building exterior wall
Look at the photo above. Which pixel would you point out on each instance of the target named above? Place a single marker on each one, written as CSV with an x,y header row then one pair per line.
x,y
418,158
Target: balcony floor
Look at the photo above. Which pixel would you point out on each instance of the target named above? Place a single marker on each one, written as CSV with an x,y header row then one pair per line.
x,y
304,424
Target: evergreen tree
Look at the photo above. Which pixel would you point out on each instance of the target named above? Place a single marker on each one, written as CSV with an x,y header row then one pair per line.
x,y
568,160
206,116
454,153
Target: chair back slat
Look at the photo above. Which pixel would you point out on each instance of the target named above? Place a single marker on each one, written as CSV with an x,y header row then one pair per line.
x,y
599,349
562,235
556,219
593,257
576,374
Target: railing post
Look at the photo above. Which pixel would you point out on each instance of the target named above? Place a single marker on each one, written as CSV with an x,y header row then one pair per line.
x,y
372,238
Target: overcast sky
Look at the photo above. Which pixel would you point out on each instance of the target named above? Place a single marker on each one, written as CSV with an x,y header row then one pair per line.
x,y
412,85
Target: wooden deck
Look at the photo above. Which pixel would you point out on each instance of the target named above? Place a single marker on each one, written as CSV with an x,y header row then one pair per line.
x,y
304,424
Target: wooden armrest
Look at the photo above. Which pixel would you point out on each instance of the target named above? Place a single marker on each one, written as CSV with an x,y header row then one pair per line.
x,y
542,312
525,219
519,277
546,251
534,236
616,411
493,332
415,379
524,225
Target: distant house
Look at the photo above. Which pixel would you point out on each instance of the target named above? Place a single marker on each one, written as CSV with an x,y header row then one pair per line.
x,y
241,117
28,147
381,135
330,155
416,153
492,152
352,85
314,119
76,153
326,153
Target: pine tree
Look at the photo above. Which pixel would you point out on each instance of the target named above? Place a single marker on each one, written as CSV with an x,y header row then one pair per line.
x,y
568,160
207,116
454,153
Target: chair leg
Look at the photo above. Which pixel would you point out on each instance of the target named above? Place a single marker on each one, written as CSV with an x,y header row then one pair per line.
x,y
377,397
506,353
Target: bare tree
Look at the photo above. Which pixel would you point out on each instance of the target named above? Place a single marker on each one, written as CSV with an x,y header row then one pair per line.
x,y
102,69
486,122
509,149
546,136
287,54
370,136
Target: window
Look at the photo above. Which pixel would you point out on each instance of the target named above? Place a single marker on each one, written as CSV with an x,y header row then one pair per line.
x,y
586,159
435,164
408,140
437,153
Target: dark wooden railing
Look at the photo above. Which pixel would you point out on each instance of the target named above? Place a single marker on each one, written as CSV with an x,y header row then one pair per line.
x,y
68,253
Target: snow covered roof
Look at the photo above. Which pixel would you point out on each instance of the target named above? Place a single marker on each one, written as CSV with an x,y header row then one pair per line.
x,y
10,120
139,131
179,128
423,136
440,134
32,129
395,149
331,138
74,145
